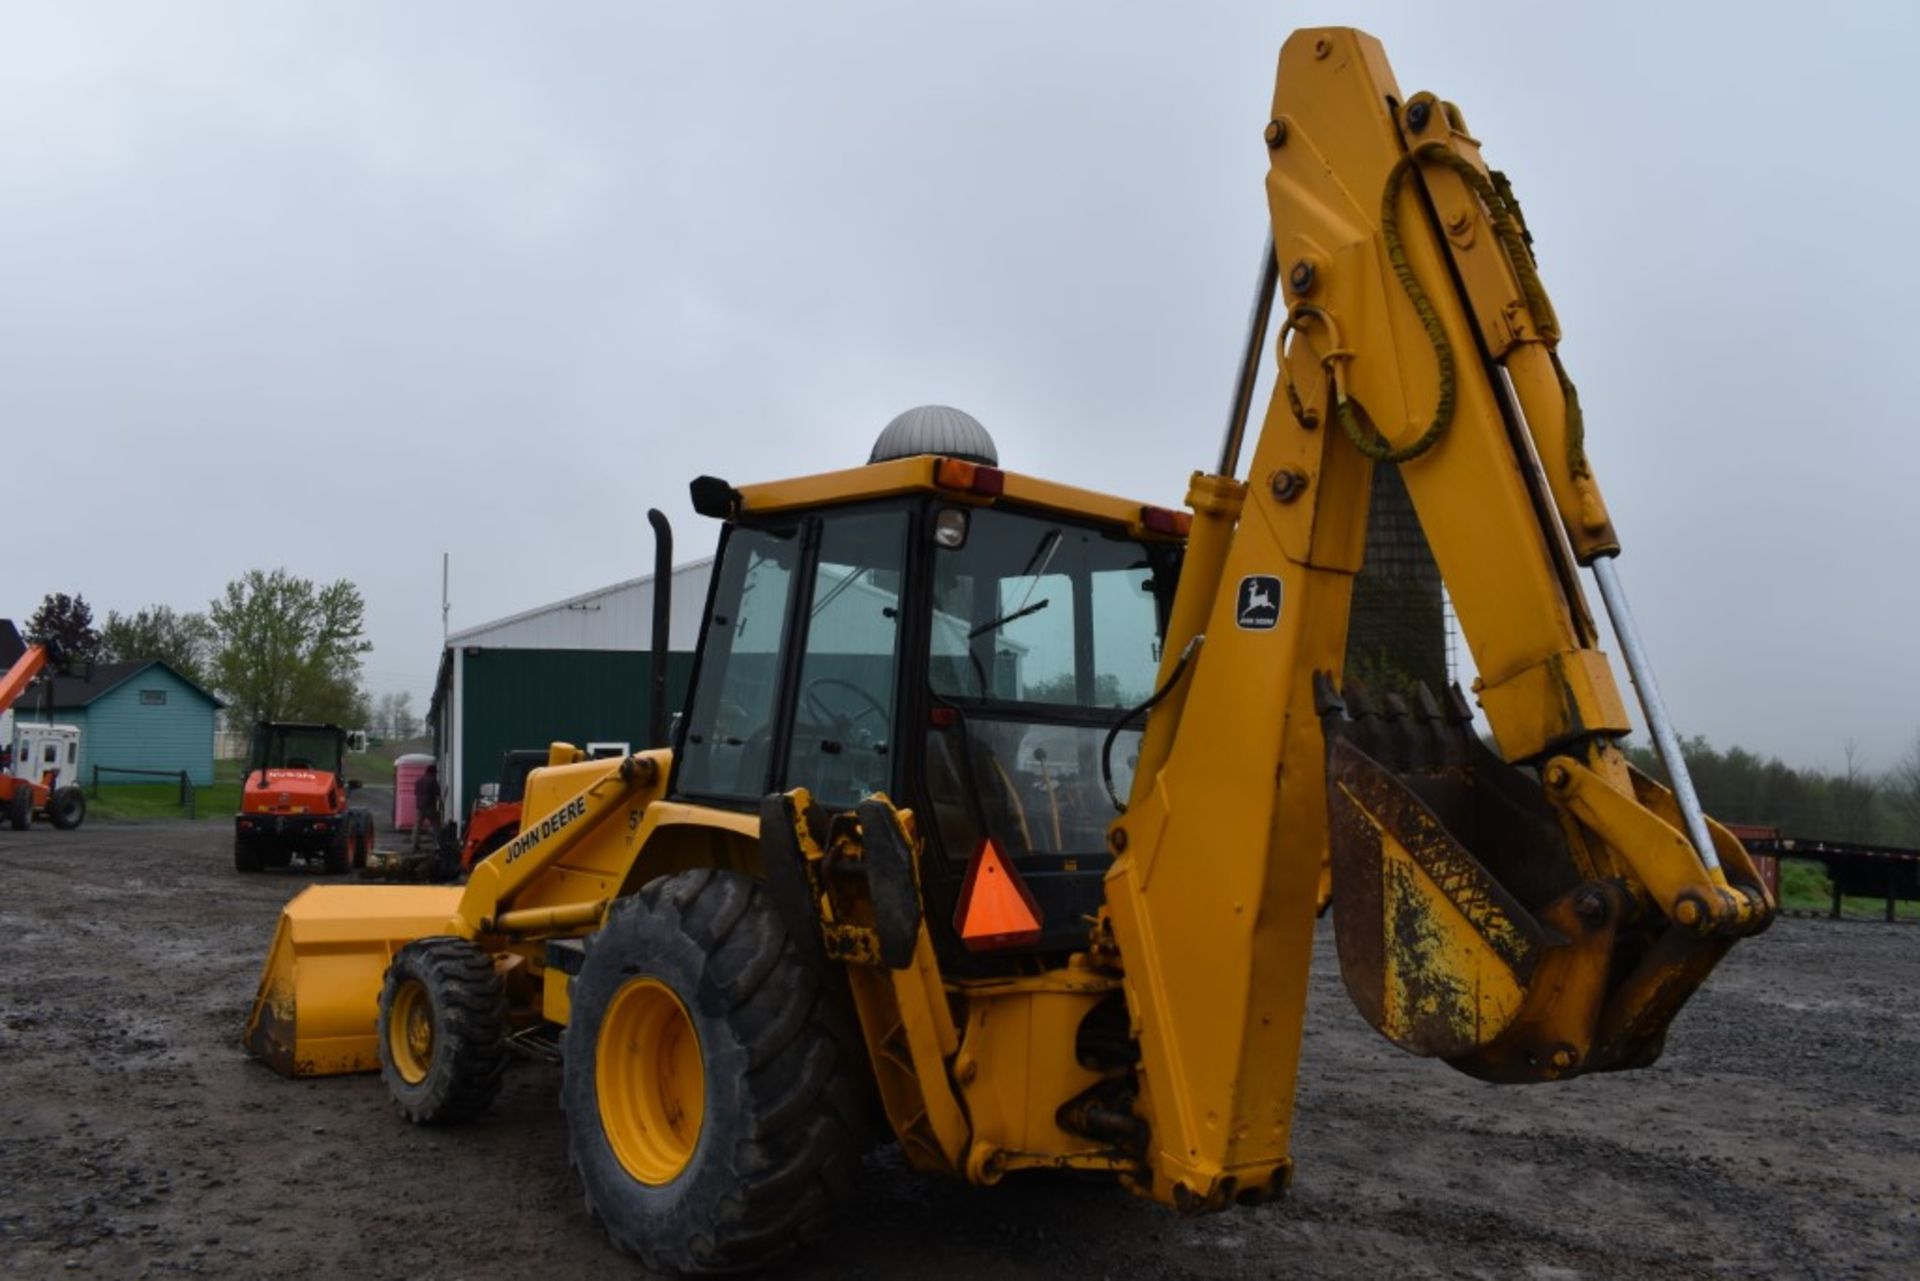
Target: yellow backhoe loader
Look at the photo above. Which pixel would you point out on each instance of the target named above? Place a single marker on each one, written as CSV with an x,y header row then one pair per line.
x,y
999,812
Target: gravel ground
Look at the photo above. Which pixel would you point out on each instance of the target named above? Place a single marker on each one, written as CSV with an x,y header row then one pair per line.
x,y
1779,1137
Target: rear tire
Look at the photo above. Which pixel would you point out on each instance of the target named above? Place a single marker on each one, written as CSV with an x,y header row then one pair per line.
x,y
442,1031
740,1169
20,808
336,859
246,854
68,808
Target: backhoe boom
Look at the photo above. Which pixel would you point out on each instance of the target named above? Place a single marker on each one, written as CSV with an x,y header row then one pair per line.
x,y
1481,916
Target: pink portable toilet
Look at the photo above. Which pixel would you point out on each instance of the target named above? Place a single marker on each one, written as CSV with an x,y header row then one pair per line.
x,y
406,772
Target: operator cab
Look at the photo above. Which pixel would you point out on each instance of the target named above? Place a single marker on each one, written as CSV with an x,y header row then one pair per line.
x,y
45,754
511,787
288,746
959,638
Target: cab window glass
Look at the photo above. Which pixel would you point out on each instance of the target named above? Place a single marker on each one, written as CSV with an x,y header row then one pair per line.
x,y
1043,633
1126,636
1038,611
842,743
729,731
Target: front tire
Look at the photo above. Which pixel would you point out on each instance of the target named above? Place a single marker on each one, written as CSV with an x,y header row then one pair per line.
x,y
68,808
442,1031
20,808
246,854
710,1111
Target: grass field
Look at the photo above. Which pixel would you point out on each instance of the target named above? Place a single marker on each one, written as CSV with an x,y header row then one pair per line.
x,y
1804,887
146,802
375,765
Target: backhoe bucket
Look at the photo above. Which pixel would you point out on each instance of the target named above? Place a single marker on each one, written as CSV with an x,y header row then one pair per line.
x,y
1468,928
320,993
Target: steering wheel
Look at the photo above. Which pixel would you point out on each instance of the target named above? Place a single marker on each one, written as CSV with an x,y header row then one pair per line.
x,y
728,715
817,707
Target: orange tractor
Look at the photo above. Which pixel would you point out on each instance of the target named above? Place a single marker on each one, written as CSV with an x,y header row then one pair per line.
x,y
495,818
294,801
39,767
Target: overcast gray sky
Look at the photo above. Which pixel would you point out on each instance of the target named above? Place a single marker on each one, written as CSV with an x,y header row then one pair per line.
x,y
337,287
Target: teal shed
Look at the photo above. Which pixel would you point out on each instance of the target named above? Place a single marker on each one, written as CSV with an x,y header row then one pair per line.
x,y
141,715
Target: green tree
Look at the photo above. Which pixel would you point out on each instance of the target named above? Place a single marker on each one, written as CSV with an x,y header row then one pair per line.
x,y
393,716
286,649
68,620
184,641
1903,791
1855,795
1853,804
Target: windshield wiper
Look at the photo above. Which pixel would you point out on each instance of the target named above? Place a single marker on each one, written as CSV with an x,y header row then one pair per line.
x,y
1014,617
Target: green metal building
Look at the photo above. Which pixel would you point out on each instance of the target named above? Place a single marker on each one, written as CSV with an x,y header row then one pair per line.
x,y
576,671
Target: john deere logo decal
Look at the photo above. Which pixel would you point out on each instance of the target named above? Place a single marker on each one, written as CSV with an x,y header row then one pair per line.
x,y
1259,604
560,818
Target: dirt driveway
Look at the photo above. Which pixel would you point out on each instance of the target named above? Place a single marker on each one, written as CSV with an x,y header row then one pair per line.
x,y
1779,1137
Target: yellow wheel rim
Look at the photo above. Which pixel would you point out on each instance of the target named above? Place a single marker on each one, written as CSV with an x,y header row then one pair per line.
x,y
410,1032
651,1081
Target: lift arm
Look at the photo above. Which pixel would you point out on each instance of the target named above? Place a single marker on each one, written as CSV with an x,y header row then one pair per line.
x,y
23,663
1527,912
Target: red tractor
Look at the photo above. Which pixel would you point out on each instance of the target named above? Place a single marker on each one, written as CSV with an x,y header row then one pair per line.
x,y
294,801
495,819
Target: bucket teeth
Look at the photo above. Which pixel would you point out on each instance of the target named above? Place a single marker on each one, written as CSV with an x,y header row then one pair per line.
x,y
1359,701
1415,733
1326,695
1427,706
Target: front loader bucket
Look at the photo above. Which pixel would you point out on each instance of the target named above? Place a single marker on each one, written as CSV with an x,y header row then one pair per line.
x,y
320,993
1469,929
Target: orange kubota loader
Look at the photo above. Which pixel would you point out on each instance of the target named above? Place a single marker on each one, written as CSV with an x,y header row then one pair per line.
x,y
294,801
996,819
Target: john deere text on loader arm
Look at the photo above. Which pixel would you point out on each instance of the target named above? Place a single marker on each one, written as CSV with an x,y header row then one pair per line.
x,y
878,885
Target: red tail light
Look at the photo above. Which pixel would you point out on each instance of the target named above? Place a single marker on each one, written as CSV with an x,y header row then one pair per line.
x,y
972,478
1164,520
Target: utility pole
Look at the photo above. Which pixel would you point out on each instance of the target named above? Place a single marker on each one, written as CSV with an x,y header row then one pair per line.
x,y
445,606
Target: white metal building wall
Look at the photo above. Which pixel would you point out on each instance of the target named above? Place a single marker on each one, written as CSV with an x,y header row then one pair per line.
x,y
619,617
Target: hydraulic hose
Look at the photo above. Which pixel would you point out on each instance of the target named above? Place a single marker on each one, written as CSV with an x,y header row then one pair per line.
x,y
1166,688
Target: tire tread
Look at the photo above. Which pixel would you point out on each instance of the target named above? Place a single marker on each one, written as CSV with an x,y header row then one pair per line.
x,y
788,1166
462,983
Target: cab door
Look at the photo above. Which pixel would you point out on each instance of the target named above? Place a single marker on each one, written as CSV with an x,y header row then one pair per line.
x,y
796,683
841,738
725,749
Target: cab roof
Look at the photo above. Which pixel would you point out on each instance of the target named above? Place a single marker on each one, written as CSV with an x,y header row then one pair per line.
x,y
960,480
